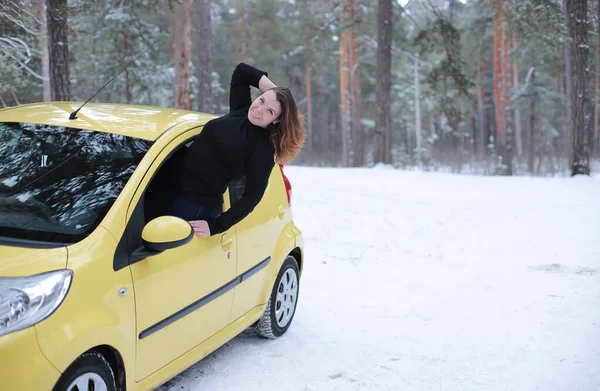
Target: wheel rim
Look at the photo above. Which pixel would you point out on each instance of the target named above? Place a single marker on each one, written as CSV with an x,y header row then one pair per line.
x,y
87,382
287,295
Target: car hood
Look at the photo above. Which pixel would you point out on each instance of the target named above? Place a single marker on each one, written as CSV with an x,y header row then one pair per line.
x,y
22,261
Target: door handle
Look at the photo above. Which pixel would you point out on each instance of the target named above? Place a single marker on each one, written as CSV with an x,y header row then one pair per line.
x,y
281,211
226,241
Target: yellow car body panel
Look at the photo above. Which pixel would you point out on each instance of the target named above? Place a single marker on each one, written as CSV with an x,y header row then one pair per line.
x,y
145,122
200,351
285,245
162,313
93,313
22,365
257,235
22,261
169,282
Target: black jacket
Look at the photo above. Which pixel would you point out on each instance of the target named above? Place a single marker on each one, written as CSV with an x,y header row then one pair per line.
x,y
228,148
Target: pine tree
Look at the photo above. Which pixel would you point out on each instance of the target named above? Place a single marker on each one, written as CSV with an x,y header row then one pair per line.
x,y
580,158
203,63
58,48
182,54
383,130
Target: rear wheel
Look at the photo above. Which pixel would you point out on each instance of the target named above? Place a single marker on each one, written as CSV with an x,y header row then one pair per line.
x,y
282,302
90,372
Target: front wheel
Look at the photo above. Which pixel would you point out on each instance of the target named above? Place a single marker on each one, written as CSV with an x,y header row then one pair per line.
x,y
89,372
282,303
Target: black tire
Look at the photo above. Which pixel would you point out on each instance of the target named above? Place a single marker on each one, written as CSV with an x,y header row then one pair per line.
x,y
89,364
268,326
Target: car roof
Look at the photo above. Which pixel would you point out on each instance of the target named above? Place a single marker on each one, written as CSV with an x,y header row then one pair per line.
x,y
145,122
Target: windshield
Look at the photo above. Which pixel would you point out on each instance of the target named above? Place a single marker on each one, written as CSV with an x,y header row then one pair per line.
x,y
58,183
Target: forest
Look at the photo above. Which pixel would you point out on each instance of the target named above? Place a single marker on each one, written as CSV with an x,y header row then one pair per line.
x,y
489,87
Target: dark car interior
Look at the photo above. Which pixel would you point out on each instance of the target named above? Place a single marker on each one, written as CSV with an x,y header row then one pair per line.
x,y
163,186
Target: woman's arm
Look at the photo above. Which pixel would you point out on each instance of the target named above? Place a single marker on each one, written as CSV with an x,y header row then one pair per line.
x,y
242,78
265,84
257,179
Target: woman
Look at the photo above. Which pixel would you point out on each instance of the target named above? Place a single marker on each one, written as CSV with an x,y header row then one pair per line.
x,y
246,142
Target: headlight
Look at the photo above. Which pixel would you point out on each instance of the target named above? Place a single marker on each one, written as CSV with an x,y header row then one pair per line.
x,y
25,301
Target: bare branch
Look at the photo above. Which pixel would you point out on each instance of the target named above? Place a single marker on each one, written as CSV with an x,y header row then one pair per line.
x,y
15,96
18,51
12,42
22,10
553,94
13,12
31,71
524,86
19,23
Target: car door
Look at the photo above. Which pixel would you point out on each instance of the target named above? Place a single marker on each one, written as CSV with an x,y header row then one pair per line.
x,y
257,236
184,295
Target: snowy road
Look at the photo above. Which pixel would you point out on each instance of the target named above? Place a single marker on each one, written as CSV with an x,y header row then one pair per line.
x,y
425,281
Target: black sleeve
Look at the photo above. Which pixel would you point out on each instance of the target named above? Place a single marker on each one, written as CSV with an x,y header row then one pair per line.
x,y
257,178
243,77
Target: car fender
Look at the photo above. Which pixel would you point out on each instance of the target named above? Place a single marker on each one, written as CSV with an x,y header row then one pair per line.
x,y
286,243
99,308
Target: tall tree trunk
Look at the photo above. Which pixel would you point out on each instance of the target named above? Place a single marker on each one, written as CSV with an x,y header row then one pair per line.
x,y
293,74
203,66
94,61
499,88
515,72
417,110
502,80
461,132
481,137
173,32
58,49
596,140
126,53
44,52
383,131
569,85
182,55
242,23
308,82
580,157
357,138
561,83
320,135
347,150
532,116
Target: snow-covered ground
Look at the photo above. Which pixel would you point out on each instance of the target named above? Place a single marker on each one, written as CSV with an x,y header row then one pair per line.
x,y
425,281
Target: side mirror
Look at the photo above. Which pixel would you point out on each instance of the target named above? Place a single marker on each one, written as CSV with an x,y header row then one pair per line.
x,y
165,233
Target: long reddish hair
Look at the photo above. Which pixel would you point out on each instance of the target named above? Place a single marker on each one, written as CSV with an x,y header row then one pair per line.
x,y
288,134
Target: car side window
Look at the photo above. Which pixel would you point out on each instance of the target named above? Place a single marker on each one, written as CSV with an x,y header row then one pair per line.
x,y
154,202
163,186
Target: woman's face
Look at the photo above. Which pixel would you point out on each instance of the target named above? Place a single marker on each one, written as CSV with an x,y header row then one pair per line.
x,y
265,110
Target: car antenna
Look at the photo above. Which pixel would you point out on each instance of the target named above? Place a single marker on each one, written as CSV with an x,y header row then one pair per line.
x,y
74,114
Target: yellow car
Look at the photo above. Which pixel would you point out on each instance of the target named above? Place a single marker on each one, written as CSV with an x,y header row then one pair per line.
x,y
98,288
